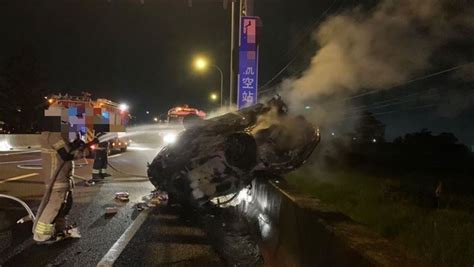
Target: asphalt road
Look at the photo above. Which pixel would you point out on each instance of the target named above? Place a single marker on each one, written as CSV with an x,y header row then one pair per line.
x,y
170,237
99,232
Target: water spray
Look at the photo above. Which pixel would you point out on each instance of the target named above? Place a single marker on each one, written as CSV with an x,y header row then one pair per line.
x,y
139,130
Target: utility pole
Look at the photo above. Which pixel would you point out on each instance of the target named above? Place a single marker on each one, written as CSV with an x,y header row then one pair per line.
x,y
248,7
232,54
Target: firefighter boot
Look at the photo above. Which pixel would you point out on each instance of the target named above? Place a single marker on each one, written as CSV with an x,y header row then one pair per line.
x,y
97,176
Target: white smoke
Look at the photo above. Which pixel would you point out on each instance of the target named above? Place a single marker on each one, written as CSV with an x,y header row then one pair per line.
x,y
375,49
221,111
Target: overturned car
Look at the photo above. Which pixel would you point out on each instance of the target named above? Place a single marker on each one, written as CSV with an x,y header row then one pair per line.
x,y
222,155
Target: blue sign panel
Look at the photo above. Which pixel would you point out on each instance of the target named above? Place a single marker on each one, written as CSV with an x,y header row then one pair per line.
x,y
247,82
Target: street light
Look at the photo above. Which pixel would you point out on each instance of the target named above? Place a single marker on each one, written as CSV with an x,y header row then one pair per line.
x,y
201,64
213,96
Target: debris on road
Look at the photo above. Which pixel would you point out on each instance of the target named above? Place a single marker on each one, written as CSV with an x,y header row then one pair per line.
x,y
159,195
122,196
154,202
141,206
73,232
155,198
111,210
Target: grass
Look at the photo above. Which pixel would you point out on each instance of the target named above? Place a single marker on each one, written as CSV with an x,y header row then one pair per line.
x,y
442,237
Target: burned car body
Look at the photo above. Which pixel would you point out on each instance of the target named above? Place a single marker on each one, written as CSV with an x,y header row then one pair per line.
x,y
222,155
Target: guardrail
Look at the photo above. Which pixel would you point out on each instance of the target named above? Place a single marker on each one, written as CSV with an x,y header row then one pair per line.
x,y
298,230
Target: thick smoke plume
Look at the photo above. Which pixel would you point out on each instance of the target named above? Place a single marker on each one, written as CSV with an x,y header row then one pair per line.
x,y
376,49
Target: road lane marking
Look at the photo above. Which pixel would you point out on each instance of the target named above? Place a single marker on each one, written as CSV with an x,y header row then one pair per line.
x,y
18,161
114,156
19,177
30,166
115,251
40,166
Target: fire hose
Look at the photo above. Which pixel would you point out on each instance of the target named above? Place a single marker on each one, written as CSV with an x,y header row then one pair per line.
x,y
31,215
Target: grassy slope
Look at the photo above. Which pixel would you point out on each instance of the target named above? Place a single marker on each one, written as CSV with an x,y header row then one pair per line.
x,y
443,237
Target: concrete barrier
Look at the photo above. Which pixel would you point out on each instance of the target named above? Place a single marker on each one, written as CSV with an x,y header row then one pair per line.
x,y
19,141
298,230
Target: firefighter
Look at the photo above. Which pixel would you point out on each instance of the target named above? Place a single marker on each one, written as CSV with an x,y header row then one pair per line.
x,y
57,155
99,168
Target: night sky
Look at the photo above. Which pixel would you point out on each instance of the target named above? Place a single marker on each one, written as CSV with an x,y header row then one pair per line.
x,y
142,53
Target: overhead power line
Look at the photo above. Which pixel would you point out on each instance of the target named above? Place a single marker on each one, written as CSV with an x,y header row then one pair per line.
x,y
375,91
423,106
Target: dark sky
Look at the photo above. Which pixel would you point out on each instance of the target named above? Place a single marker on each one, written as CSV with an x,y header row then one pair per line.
x,y
120,50
142,53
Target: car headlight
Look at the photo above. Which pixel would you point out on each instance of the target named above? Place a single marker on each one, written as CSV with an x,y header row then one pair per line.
x,y
170,138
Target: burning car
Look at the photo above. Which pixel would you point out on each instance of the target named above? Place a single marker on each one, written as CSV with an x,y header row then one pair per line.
x,y
222,155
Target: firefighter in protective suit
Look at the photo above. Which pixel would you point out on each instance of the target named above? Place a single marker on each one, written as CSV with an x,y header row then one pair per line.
x,y
57,155
99,168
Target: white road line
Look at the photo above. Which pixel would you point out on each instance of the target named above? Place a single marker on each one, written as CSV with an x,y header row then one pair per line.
x,y
114,252
114,156
29,167
18,161
19,177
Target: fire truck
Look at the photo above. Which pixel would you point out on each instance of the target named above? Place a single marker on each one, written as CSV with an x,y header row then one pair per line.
x,y
180,114
89,117
180,118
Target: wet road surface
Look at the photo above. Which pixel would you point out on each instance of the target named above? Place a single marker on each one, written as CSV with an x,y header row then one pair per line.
x,y
98,231
168,236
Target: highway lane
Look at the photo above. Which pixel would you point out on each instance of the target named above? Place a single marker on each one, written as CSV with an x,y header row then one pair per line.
x,y
98,231
10,160
170,237
18,182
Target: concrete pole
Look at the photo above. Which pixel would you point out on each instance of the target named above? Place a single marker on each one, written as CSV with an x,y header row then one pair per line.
x,y
232,48
248,6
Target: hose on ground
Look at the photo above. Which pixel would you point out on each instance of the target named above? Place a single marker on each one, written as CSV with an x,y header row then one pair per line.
x,y
27,208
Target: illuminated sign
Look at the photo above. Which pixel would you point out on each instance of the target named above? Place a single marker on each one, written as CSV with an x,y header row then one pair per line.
x,y
247,82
